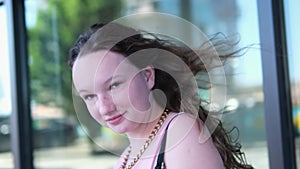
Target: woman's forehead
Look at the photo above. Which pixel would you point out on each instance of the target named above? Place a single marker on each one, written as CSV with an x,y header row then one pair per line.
x,y
86,66
101,65
96,60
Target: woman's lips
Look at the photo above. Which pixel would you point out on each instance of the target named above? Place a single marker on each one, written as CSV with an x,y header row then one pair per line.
x,y
115,119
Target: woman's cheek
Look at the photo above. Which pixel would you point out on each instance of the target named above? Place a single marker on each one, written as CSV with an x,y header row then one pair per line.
x,y
120,98
95,114
138,95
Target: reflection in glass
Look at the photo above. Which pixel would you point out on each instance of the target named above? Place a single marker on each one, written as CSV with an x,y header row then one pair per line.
x,y
6,157
292,31
237,19
60,140
63,141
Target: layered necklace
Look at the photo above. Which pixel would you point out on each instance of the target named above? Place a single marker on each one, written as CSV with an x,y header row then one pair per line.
x,y
146,144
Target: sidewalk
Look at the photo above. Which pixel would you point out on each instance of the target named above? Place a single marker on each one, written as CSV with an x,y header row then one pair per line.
x,y
78,156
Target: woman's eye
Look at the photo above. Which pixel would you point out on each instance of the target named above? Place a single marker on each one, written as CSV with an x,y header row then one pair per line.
x,y
89,97
114,85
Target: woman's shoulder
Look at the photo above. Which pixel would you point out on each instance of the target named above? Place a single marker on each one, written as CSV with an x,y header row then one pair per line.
x,y
184,116
183,123
184,144
182,126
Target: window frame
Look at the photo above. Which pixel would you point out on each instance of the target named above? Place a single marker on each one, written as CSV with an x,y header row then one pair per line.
x,y
21,126
277,98
280,137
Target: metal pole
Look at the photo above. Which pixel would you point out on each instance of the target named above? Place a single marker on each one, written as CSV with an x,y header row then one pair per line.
x,y
21,131
278,109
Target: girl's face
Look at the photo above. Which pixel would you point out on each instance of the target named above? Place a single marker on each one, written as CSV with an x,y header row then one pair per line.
x,y
115,91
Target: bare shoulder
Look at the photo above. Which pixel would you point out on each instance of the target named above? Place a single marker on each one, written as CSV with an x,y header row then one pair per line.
x,y
184,150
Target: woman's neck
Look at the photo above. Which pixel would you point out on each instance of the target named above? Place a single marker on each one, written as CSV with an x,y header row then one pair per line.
x,y
138,137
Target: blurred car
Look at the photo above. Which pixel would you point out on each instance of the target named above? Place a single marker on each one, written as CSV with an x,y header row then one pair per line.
x,y
46,133
4,134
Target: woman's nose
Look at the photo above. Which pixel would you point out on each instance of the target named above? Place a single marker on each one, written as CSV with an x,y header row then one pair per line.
x,y
105,104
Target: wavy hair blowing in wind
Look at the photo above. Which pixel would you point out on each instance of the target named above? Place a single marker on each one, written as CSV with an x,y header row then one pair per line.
x,y
181,96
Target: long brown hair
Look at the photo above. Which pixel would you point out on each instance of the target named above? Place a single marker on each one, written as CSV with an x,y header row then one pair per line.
x,y
179,92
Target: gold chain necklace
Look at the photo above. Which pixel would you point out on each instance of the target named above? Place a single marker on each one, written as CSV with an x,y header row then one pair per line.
x,y
147,143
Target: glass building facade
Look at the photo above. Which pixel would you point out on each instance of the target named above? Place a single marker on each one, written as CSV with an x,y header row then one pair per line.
x,y
39,127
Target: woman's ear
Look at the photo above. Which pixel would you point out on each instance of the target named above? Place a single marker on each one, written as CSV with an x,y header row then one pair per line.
x,y
149,74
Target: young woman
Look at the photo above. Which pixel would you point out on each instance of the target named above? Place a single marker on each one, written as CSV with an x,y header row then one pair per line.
x,y
145,85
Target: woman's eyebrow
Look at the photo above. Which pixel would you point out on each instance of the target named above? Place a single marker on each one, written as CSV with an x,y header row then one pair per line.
x,y
112,78
82,90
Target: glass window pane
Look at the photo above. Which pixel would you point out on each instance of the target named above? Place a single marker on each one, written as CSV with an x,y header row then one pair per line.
x,y
60,139
245,85
293,40
237,19
6,157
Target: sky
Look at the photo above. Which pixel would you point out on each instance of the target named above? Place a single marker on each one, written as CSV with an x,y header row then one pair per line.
x,y
249,70
5,99
293,36
5,86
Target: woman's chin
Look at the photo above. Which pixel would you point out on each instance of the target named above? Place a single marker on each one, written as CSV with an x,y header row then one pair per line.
x,y
118,130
